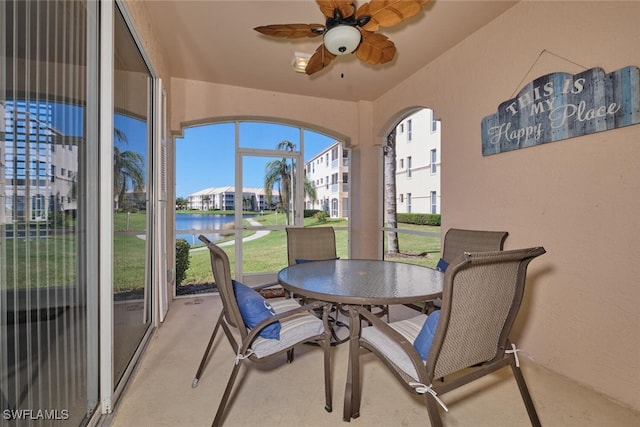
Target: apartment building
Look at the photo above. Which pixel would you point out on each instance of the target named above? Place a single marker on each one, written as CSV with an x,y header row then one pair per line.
x,y
223,198
418,163
417,170
38,163
328,173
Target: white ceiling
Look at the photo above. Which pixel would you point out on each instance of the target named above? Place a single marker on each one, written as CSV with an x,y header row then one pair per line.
x,y
214,41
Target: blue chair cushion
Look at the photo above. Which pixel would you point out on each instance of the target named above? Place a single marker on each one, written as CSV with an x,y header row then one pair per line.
x,y
302,260
423,341
254,309
442,265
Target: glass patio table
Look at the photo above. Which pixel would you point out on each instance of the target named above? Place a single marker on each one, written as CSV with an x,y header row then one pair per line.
x,y
351,282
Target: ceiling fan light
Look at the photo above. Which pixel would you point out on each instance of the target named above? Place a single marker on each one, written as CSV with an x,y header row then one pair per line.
x,y
300,61
342,39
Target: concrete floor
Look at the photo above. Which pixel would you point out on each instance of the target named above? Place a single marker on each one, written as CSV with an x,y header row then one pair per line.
x,y
160,393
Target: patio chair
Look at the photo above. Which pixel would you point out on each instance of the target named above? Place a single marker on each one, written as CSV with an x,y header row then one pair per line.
x,y
314,244
457,241
310,244
482,293
285,326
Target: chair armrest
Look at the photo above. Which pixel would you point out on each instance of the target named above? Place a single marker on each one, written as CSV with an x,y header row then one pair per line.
x,y
400,339
266,285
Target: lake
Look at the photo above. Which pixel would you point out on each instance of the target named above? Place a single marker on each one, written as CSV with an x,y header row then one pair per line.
x,y
203,222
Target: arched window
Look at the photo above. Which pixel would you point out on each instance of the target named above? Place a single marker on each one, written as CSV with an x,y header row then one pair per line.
x,y
257,178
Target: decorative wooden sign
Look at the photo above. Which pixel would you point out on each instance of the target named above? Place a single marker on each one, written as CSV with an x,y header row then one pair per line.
x,y
560,106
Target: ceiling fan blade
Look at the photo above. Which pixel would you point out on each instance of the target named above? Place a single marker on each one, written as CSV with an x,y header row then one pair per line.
x,y
327,7
375,48
319,60
386,13
291,31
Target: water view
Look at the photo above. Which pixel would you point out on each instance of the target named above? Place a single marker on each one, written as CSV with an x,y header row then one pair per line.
x,y
204,224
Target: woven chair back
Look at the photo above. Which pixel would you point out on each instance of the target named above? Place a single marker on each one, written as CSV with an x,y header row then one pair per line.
x,y
482,293
315,243
457,241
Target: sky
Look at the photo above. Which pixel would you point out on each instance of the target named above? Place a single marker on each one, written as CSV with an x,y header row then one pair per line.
x,y
205,155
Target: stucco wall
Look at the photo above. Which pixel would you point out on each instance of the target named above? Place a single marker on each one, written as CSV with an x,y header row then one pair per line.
x,y
577,197
198,102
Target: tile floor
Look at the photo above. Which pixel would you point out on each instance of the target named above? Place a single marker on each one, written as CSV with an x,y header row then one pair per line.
x,y
160,392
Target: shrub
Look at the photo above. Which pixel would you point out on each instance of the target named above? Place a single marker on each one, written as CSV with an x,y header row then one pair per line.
x,y
418,218
56,220
321,216
228,229
182,260
309,213
433,219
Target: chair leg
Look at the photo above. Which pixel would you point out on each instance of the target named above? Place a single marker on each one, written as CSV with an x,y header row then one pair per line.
x,y
352,390
526,397
433,409
217,421
326,348
203,362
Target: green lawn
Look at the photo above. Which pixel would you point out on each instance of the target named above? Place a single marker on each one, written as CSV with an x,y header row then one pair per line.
x,y
269,253
416,249
51,261
129,251
40,261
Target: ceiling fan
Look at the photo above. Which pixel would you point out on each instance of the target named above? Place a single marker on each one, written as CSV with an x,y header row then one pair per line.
x,y
350,30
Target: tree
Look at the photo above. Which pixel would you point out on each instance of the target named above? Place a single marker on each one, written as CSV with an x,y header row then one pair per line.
x,y
390,206
181,203
310,190
128,167
280,173
247,203
206,202
73,191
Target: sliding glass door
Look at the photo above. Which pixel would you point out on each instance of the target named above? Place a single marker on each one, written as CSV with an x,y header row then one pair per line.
x,y
131,208
48,364
75,245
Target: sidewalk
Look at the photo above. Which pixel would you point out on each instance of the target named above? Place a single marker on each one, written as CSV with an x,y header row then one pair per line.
x,y
258,234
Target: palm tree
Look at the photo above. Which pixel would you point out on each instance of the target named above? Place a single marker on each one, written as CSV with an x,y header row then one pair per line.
x,y
390,192
279,172
128,167
247,203
310,190
206,202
